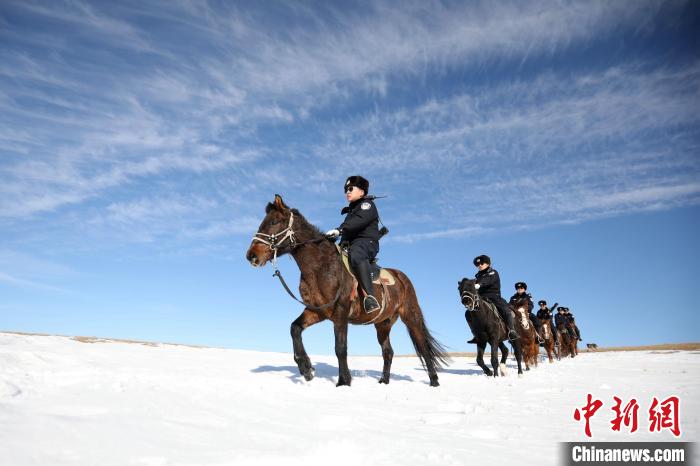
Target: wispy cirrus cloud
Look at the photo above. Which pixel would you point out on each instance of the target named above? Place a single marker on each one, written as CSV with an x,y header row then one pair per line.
x,y
179,105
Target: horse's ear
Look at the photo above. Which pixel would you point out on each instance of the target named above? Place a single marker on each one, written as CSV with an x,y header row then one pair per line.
x,y
279,203
270,206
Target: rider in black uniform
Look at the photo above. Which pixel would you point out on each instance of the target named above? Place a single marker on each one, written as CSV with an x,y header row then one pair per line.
x,y
545,314
520,291
488,284
361,230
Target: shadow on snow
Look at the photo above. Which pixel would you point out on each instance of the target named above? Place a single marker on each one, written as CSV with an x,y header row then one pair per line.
x,y
326,371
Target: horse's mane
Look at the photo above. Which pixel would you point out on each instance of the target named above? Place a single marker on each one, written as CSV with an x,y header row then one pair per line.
x,y
308,226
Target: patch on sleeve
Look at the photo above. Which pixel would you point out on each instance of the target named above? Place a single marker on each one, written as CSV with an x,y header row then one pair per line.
x,y
491,273
366,206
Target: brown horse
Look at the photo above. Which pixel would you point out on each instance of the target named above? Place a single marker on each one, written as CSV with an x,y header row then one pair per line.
x,y
526,331
567,344
548,339
329,292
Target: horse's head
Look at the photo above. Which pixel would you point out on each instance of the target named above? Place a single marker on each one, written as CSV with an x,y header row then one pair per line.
x,y
520,303
274,234
467,293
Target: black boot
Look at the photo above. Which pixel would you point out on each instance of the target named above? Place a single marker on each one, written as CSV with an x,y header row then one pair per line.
x,y
364,276
473,340
508,317
538,333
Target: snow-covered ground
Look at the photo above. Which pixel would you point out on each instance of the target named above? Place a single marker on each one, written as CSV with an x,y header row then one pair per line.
x,y
64,402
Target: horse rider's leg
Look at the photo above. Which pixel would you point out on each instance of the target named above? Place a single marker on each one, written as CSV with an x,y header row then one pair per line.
x,y
494,357
305,320
480,347
383,329
538,327
507,315
551,326
340,328
504,357
361,251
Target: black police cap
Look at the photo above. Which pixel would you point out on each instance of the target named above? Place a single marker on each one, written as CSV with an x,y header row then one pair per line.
x,y
358,182
541,302
521,285
482,259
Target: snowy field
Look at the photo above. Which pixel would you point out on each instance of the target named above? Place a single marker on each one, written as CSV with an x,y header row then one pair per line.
x,y
64,402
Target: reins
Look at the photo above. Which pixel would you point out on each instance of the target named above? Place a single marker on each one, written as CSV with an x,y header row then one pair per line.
x,y
274,241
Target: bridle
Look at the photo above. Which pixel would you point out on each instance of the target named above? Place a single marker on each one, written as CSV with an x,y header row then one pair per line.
x,y
474,299
274,241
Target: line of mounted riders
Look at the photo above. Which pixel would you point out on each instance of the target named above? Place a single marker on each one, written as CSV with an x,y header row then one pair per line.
x,y
345,285
492,321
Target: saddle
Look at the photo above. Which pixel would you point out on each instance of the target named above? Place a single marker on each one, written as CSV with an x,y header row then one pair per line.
x,y
492,307
380,276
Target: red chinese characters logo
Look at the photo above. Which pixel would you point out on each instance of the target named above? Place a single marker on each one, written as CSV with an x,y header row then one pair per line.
x,y
665,415
626,416
662,414
588,411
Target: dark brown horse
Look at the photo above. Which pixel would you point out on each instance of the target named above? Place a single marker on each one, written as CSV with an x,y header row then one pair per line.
x,y
328,291
526,330
567,343
488,329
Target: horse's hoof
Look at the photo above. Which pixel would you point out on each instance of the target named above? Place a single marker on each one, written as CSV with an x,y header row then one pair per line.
x,y
342,383
489,373
434,383
309,374
502,369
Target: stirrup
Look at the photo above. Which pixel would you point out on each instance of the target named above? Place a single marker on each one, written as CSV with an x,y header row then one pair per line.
x,y
370,304
511,338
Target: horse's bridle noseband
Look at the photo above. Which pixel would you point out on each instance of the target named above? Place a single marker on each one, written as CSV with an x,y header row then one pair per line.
x,y
474,298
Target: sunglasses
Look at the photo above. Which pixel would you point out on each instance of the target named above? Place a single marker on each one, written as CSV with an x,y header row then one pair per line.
x,y
520,288
350,188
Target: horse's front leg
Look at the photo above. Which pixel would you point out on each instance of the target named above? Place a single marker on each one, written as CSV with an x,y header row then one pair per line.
x,y
480,347
305,320
340,327
494,357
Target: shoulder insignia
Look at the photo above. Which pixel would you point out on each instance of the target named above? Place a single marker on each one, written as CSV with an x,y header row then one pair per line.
x,y
366,206
491,272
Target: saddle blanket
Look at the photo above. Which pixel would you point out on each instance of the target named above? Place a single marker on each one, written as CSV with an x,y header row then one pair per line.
x,y
382,277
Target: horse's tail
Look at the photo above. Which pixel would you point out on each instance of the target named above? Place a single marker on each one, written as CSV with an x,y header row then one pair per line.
x,y
431,353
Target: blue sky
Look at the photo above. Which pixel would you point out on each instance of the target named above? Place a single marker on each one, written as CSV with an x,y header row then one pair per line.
x,y
140,142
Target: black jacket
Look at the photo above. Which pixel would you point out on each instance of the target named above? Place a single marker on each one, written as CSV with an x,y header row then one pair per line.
x,y
530,304
544,314
490,282
361,221
561,319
